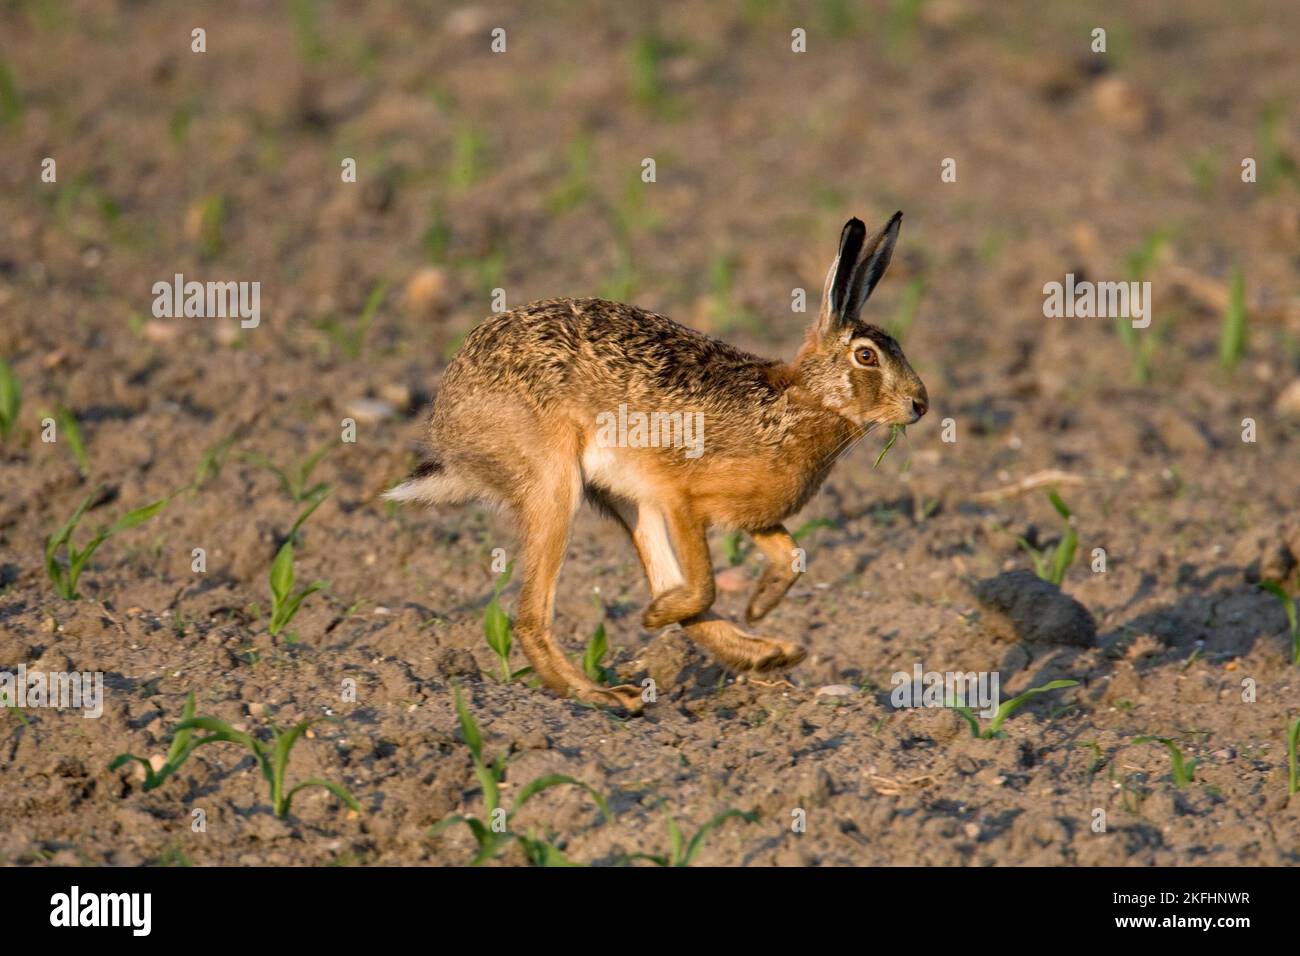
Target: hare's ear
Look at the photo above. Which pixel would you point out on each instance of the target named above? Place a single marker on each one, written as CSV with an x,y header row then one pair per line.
x,y
856,271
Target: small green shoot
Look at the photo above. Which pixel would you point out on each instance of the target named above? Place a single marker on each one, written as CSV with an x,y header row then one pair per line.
x,y
734,548
177,754
594,656
1182,769
725,312
468,152
493,834
1006,709
1288,605
294,481
67,426
350,338
65,573
8,704
212,223
497,628
1141,348
273,758
1275,163
11,399
213,460
1051,565
1232,335
11,105
907,306
894,432
680,851
284,603
576,187
808,527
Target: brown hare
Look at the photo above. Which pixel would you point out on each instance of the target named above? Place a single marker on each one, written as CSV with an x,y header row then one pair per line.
x,y
524,418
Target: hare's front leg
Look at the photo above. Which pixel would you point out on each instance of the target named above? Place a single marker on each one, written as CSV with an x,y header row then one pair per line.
x,y
545,517
678,536
779,574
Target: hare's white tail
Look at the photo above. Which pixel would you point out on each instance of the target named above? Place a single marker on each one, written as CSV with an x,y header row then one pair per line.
x,y
433,484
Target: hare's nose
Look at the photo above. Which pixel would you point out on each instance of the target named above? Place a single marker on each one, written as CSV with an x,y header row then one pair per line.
x,y
919,407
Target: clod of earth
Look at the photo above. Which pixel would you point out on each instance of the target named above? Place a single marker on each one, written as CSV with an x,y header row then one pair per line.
x,y
1022,606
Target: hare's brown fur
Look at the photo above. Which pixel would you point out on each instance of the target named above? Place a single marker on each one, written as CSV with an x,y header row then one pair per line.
x,y
516,422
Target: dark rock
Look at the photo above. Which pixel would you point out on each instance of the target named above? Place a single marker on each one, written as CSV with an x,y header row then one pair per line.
x,y
1023,606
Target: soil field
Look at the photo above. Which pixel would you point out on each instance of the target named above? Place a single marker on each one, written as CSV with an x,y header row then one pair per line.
x,y
1019,154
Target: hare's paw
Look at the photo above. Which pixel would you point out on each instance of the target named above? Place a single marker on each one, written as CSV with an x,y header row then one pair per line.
x,y
623,697
770,654
740,651
771,587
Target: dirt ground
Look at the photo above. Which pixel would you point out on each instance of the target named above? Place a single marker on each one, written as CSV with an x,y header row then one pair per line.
x,y
521,171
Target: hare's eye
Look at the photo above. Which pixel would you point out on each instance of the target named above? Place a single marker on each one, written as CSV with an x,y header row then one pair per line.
x,y
865,357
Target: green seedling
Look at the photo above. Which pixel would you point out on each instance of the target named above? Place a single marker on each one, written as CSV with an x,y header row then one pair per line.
x,y
294,481
734,548
212,223
11,105
498,630
1098,756
1006,709
576,188
181,747
1051,565
437,235
894,432
1182,770
493,833
901,24
213,460
1204,168
594,656
1288,605
8,704
65,573
66,425
1232,335
273,758
1292,741
907,307
349,339
726,313
11,399
622,284
468,158
645,65
284,603
306,27
631,214
1275,163
1141,348
680,851
808,527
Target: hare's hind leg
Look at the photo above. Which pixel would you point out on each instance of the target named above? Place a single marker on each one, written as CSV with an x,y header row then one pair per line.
x,y
674,550
545,512
779,573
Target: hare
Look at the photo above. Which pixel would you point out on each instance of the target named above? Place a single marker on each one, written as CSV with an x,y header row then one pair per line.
x,y
522,419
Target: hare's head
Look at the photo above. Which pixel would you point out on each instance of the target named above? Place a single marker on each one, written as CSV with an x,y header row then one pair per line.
x,y
856,368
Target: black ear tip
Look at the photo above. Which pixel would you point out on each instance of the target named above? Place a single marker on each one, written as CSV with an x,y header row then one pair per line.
x,y
895,219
